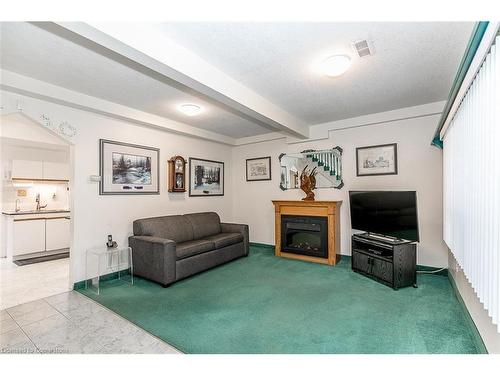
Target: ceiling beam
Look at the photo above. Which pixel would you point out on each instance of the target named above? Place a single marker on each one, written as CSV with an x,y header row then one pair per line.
x,y
19,84
150,48
322,131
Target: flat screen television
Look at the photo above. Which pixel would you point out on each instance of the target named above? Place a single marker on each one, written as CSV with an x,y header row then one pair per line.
x,y
388,213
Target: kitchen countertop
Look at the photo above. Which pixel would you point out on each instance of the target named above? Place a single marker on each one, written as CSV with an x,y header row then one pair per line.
x,y
41,212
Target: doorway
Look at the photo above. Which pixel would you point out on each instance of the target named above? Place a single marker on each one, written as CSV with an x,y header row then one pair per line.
x,y
35,238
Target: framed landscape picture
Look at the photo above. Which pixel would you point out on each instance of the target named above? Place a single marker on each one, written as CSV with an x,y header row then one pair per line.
x,y
377,160
206,178
259,169
127,168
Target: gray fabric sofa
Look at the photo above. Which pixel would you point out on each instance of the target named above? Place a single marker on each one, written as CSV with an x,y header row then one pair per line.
x,y
170,248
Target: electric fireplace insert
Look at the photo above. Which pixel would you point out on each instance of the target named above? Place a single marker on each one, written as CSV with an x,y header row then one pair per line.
x,y
304,235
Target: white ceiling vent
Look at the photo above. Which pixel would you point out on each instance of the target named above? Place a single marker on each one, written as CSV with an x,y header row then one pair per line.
x,y
362,48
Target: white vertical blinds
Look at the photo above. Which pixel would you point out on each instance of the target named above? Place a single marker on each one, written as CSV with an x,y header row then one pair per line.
x,y
471,172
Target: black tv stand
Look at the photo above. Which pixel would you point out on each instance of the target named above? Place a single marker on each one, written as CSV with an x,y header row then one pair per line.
x,y
388,261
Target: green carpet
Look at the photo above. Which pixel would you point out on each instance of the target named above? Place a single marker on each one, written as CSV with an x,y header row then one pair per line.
x,y
265,304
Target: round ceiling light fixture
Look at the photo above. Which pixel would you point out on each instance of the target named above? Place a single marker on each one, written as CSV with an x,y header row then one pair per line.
x,y
190,109
335,66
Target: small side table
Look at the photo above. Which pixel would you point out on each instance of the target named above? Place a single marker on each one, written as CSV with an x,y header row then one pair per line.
x,y
102,261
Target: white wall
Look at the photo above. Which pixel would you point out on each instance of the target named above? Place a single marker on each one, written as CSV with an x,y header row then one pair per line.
x,y
54,195
420,169
483,322
19,126
95,216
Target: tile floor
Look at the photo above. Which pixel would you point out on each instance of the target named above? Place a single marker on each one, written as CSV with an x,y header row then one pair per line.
x,y
72,323
28,283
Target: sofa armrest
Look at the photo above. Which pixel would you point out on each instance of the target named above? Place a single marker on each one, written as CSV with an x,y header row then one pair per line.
x,y
154,258
238,228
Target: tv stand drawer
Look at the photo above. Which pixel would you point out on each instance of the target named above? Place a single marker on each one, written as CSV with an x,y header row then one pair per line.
x,y
375,253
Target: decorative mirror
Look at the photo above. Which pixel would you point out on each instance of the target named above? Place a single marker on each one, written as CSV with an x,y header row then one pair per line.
x,y
177,174
325,165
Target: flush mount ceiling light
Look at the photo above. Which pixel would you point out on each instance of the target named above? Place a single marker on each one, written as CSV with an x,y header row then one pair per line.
x,y
190,109
335,66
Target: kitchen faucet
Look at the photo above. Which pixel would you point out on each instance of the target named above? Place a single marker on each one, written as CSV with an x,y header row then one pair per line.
x,y
38,207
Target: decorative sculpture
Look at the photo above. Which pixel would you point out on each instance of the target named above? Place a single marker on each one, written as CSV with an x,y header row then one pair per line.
x,y
308,183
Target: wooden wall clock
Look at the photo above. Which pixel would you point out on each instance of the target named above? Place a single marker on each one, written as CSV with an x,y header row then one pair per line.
x,y
177,174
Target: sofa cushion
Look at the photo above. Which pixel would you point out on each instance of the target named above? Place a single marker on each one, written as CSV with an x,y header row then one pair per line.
x,y
225,239
176,228
194,247
204,224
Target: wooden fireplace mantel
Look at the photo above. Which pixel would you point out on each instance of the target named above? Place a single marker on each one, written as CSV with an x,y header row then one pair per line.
x,y
329,209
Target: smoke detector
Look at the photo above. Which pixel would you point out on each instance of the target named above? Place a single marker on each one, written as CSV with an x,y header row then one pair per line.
x,y
362,48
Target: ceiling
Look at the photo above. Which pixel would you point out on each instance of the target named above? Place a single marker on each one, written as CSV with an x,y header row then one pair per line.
x,y
40,54
413,64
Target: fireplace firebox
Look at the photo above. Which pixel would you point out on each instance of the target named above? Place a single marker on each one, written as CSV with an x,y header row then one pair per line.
x,y
304,235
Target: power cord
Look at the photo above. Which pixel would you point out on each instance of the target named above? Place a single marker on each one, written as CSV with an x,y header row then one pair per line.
x,y
431,272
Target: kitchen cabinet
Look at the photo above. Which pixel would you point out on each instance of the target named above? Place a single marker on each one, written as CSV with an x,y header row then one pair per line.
x,y
57,232
55,171
28,169
37,235
29,236
40,170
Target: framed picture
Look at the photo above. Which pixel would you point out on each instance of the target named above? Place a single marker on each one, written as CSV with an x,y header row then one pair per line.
x,y
259,169
128,168
206,178
377,160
